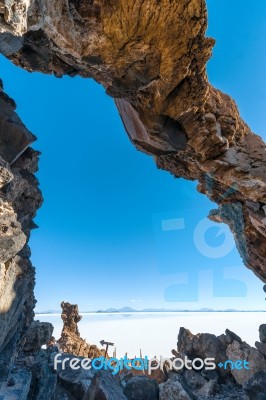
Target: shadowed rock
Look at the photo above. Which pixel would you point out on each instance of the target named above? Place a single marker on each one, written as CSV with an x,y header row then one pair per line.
x,y
262,331
14,136
174,390
255,389
38,334
105,386
17,387
89,384
261,347
141,388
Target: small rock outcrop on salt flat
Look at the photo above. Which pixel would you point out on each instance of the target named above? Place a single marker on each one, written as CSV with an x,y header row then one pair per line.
x,y
70,340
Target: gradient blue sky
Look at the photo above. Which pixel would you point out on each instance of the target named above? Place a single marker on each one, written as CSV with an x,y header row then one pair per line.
x,y
100,242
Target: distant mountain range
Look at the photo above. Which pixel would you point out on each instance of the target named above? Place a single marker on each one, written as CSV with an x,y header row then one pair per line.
x,y
130,309
151,310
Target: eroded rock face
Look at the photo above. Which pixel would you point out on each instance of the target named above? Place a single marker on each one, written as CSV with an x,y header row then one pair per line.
x,y
70,340
203,345
243,351
227,350
151,56
19,199
38,334
17,138
35,375
262,331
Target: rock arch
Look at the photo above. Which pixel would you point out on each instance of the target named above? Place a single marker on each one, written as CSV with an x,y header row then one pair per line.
x,y
151,57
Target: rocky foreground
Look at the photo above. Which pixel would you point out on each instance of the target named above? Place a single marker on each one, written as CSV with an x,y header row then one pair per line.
x,y
34,375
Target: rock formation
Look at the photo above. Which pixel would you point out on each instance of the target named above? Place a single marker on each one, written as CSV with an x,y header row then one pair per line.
x,y
70,340
34,376
151,57
242,351
38,334
19,200
262,330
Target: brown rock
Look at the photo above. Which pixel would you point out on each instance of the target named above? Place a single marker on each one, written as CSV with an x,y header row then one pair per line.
x,y
229,337
242,351
5,173
70,340
151,56
158,77
202,345
20,197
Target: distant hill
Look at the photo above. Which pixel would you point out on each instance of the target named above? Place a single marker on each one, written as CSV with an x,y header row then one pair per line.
x,y
151,310
118,310
48,312
127,309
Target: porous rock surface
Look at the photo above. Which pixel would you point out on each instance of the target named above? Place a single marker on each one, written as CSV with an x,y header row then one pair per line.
x,y
35,377
242,351
20,197
70,340
38,334
151,57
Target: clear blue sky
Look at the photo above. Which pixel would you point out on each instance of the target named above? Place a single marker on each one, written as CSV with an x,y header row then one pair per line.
x,y
101,242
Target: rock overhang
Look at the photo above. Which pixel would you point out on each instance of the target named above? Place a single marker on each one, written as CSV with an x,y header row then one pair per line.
x,y
151,58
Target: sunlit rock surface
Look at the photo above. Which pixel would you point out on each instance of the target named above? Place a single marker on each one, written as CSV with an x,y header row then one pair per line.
x,y
70,340
151,57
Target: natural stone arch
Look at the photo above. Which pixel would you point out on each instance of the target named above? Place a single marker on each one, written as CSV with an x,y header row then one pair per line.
x,y
150,56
